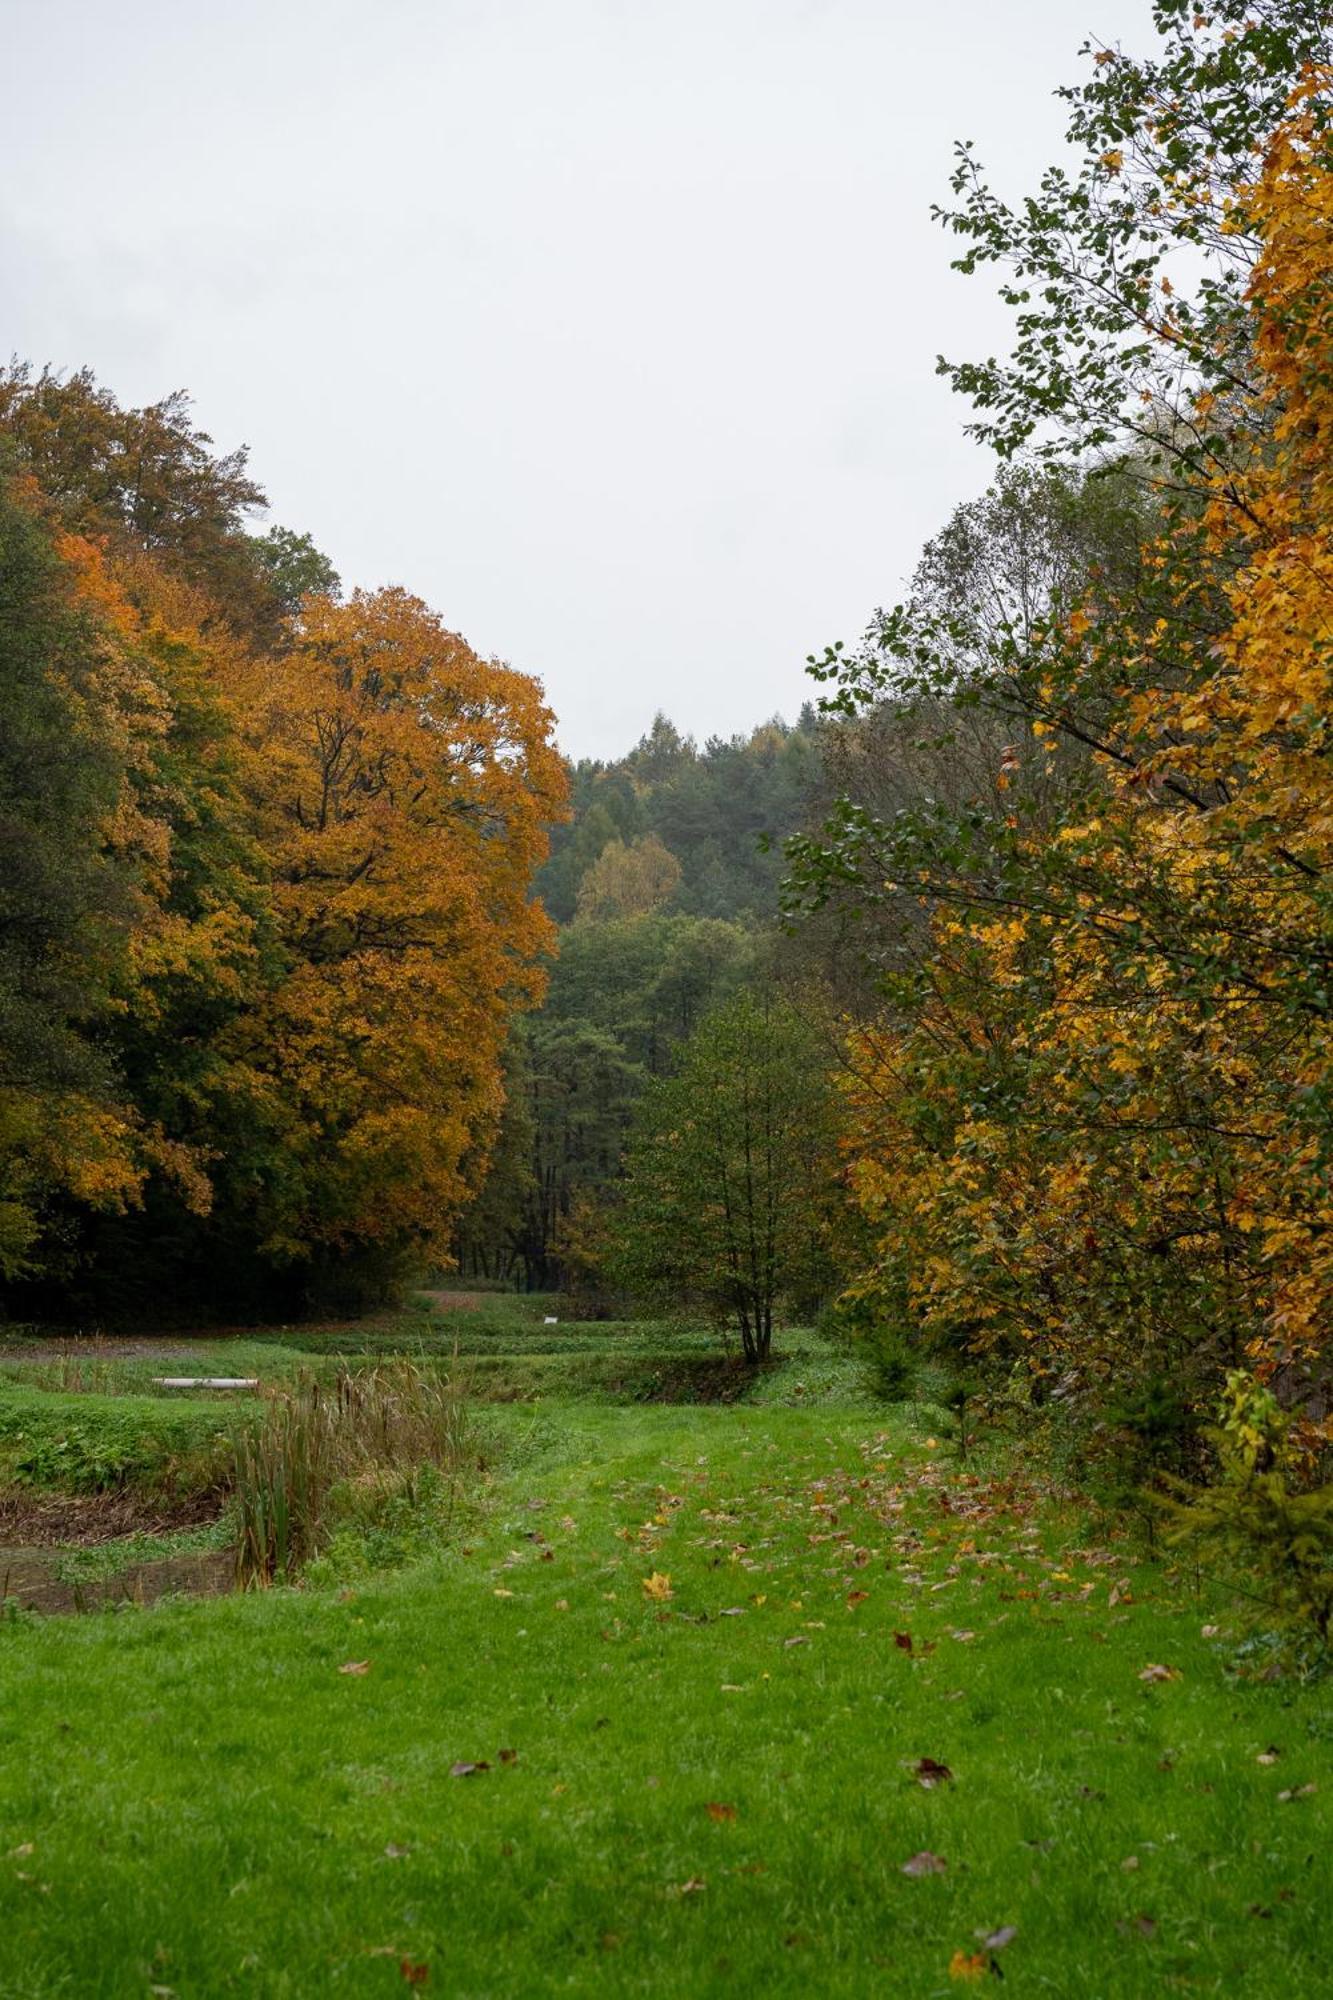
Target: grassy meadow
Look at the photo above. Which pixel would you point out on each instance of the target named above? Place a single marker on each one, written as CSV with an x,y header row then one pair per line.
x,y
676,1681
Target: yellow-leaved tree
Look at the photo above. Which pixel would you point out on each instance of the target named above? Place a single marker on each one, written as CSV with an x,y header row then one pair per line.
x,y
1094,1123
403,788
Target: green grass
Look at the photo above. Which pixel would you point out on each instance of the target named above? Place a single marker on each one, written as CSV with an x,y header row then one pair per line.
x,y
194,1798
197,1801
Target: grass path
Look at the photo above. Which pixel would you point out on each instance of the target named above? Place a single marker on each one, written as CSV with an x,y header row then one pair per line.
x,y
712,1791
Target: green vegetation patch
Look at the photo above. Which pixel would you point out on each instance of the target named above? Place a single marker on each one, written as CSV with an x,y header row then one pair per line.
x,y
91,1443
735,1699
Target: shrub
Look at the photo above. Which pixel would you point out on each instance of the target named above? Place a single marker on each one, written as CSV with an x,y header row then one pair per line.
x,y
892,1360
1263,1511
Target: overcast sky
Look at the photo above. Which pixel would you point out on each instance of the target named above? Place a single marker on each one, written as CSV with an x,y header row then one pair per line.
x,y
609,327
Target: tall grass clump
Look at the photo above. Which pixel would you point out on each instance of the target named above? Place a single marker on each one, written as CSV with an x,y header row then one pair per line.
x,y
315,1438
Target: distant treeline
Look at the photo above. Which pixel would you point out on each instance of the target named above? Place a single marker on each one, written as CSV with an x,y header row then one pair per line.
x,y
665,882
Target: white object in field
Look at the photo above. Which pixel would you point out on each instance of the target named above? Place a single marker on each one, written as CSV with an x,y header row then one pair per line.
x,y
550,1321
205,1381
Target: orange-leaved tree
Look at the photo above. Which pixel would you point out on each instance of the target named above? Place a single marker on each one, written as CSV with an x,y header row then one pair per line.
x,y
403,791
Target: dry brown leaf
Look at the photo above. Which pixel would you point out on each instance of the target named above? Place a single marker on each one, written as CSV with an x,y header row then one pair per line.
x,y
719,1812
355,1667
925,1863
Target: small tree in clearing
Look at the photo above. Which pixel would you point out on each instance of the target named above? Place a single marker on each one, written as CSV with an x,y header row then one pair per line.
x,y
730,1171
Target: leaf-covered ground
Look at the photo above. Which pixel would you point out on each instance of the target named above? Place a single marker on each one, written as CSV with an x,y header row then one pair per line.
x,y
747,1699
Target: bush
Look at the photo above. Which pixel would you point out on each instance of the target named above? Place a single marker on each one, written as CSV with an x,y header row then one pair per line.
x,y
892,1360
1263,1512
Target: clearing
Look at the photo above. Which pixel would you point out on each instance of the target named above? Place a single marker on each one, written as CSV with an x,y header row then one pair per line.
x,y
769,1695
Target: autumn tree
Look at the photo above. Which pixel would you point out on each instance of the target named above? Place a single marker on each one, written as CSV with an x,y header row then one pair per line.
x,y
1091,1115
268,901
68,897
628,880
403,787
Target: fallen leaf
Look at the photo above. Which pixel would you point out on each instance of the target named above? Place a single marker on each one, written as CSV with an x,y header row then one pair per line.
x,y
465,1770
504,1593
903,1641
355,1667
657,1586
415,1975
925,1863
395,1853
21,1853
509,1756
1209,1631
928,1773
733,1611
855,1597
1296,1792
1160,1673
694,1887
997,1940
718,1812
798,1640
963,1638
1268,1756
969,1965
1130,1863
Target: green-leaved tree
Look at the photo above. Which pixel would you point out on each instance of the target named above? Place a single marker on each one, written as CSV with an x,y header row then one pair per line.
x,y
730,1171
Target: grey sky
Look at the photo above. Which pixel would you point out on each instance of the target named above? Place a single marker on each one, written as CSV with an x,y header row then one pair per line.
x,y
608,327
